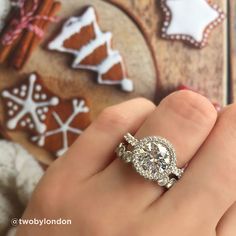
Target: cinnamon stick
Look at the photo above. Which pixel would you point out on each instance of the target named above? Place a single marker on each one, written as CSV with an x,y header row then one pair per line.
x,y
3,133
32,40
1,136
6,50
43,10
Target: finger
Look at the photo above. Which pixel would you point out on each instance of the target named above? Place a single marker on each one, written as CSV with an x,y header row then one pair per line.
x,y
94,149
207,188
227,224
181,116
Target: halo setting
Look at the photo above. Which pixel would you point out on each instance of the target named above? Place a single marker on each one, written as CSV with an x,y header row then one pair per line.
x,y
153,158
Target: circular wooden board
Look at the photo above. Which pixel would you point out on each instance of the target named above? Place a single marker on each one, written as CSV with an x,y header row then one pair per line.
x,y
55,67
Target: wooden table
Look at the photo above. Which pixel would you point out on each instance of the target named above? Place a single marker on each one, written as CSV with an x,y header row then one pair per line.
x,y
211,71
207,70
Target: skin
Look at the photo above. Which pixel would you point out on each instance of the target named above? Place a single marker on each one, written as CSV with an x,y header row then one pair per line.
x,y
105,197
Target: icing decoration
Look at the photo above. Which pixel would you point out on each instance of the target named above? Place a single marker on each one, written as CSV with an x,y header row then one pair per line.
x,y
190,20
28,104
64,127
4,11
25,22
74,26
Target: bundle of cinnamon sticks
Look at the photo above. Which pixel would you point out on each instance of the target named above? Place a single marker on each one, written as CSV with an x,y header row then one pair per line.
x,y
19,51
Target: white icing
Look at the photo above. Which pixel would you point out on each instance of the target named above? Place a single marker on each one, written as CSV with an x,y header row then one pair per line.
x,y
73,26
36,96
23,87
28,120
5,7
15,108
190,17
127,85
22,93
38,88
23,123
44,96
28,106
10,104
45,109
39,111
11,113
16,91
64,127
43,117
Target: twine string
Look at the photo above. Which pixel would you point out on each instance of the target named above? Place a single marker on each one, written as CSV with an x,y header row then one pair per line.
x,y
25,21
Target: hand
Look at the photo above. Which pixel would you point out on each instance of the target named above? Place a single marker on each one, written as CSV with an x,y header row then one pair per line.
x,y
105,197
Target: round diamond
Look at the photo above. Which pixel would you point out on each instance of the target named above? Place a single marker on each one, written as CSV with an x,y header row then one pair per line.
x,y
153,159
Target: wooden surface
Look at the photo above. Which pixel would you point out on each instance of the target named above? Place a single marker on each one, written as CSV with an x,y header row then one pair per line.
x,y
67,82
70,82
205,70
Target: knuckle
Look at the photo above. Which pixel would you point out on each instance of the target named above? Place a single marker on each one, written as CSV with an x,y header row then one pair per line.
x,y
224,137
227,120
145,102
227,135
122,117
192,106
112,117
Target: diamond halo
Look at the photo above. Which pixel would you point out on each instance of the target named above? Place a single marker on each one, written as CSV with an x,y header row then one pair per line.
x,y
154,158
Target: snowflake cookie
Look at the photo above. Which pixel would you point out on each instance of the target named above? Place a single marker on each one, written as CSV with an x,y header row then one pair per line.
x,y
190,20
27,105
64,124
82,37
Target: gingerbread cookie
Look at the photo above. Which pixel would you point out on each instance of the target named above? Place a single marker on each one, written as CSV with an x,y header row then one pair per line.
x,y
27,104
4,11
64,124
130,40
190,20
82,37
25,29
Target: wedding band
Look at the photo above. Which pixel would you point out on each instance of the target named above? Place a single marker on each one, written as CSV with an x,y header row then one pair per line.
x,y
154,158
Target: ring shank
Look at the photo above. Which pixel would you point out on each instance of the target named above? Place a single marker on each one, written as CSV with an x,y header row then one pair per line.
x,y
132,155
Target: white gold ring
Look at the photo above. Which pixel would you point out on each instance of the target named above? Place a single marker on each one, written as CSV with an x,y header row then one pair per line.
x,y
154,158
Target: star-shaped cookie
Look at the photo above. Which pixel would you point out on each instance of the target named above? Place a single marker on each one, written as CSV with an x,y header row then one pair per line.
x,y
190,20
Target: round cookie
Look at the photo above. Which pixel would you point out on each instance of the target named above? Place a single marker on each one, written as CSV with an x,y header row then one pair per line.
x,y
55,67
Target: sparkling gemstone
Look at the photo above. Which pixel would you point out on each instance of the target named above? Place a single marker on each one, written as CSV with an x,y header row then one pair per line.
x,y
163,181
153,160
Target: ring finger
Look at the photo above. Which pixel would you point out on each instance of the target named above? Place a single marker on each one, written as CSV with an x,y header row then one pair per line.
x,y
181,116
93,150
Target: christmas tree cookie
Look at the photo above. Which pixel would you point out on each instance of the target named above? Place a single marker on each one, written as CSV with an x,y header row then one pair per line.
x,y
82,37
